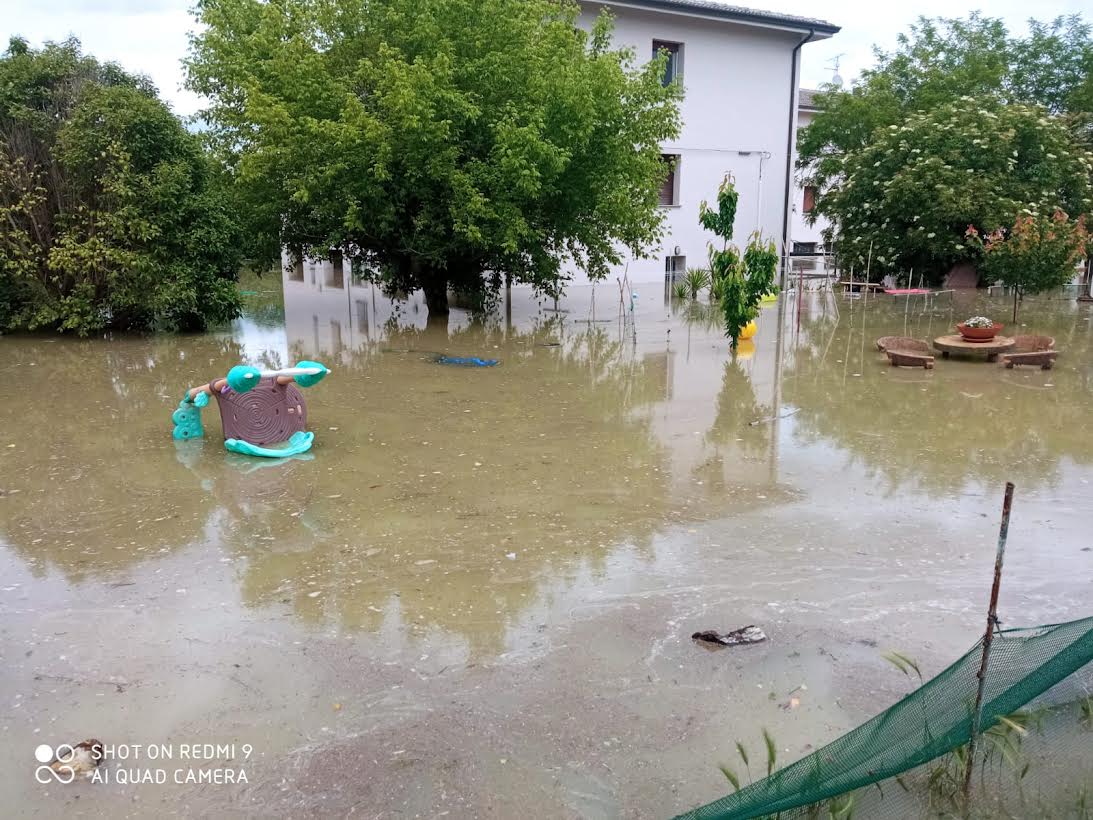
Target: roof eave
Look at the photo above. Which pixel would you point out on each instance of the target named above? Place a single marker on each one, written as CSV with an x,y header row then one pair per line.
x,y
818,30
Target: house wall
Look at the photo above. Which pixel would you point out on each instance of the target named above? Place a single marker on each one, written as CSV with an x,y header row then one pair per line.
x,y
800,230
737,100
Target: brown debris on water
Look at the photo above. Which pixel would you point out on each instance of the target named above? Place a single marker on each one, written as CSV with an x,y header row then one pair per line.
x,y
738,637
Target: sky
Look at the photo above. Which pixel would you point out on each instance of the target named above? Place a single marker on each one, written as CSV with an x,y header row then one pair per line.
x,y
150,36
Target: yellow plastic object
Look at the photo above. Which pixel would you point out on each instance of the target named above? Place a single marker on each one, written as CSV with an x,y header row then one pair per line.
x,y
746,349
750,329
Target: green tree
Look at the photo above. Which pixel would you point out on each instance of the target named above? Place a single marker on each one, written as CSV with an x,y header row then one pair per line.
x,y
938,62
110,214
907,197
1035,254
741,282
437,142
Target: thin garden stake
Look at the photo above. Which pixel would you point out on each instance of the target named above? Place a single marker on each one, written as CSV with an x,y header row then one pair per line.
x,y
868,265
988,638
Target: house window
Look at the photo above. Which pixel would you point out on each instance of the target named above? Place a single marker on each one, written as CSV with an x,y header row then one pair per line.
x,y
810,199
669,189
675,59
674,268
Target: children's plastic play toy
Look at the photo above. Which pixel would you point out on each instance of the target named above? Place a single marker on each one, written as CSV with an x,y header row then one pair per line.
x,y
262,411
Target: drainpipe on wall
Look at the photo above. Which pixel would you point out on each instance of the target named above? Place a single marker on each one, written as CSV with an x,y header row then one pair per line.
x,y
789,149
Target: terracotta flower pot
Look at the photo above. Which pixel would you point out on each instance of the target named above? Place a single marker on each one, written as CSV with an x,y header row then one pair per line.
x,y
979,334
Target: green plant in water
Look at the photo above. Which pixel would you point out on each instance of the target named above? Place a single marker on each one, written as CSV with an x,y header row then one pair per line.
x,y
772,751
680,291
903,663
1086,708
740,282
744,756
720,222
717,288
841,808
697,279
730,775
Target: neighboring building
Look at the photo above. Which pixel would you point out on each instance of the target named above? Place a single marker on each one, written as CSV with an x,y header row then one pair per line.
x,y
807,239
740,70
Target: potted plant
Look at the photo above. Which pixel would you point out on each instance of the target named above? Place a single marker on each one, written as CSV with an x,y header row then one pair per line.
x,y
979,329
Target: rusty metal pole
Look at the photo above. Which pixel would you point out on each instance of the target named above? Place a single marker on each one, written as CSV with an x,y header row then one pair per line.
x,y
988,638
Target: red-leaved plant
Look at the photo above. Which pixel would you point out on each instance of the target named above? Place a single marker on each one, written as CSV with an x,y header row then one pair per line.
x,y
1037,253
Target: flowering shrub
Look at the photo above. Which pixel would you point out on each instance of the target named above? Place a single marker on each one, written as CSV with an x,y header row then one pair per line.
x,y
979,321
1037,253
909,193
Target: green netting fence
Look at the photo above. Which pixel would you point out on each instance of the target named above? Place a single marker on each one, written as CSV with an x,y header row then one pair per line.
x,y
934,719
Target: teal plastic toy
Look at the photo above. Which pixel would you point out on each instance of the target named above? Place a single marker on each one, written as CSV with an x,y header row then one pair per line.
x,y
310,379
243,377
269,421
299,442
187,419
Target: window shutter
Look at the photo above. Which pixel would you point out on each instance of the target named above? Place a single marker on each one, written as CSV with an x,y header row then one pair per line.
x,y
668,189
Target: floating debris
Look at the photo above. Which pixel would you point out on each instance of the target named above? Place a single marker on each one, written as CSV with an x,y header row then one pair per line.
x,y
768,419
744,635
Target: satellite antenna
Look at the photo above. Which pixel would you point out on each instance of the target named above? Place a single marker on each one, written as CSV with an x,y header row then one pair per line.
x,y
833,63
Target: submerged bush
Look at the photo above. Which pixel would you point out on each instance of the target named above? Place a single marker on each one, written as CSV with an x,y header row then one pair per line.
x,y
111,216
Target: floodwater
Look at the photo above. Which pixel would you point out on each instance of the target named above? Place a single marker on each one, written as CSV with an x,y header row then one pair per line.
x,y
475,596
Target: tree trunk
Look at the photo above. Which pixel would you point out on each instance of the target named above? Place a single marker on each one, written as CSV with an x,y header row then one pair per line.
x,y
435,286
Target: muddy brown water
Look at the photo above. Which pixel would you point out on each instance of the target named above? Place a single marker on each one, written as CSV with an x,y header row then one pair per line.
x,y
474,597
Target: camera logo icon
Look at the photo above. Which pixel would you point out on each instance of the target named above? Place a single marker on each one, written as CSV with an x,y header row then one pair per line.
x,y
53,764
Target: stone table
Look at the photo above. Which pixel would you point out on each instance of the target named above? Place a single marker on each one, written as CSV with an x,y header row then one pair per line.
x,y
959,345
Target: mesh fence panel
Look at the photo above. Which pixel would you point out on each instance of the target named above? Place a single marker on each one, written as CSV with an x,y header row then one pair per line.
x,y
934,719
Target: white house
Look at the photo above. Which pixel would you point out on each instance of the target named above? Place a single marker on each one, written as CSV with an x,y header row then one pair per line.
x,y
807,239
740,69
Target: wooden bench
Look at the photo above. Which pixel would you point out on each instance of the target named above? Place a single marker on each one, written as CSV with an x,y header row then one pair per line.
x,y
1032,350
903,343
907,358
1044,358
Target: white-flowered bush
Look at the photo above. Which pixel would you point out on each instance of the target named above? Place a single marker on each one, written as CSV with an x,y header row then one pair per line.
x,y
917,189
979,321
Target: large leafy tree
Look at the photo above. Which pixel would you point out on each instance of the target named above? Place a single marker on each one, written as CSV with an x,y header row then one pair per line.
x,y
935,65
906,199
940,60
441,144
110,214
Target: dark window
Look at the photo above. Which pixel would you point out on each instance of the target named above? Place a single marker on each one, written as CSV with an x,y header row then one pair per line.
x,y
810,199
675,59
669,189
